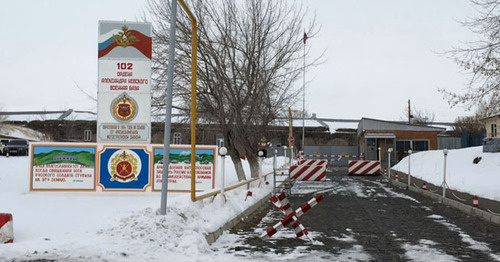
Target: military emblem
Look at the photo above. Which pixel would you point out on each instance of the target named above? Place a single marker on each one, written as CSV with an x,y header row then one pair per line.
x,y
124,108
125,38
124,166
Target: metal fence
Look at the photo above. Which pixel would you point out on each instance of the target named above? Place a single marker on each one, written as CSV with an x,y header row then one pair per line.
x,y
333,150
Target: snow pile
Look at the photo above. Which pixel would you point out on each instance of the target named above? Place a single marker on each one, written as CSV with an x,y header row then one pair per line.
x,y
113,226
481,179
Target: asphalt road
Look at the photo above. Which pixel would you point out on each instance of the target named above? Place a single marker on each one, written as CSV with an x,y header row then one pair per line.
x,y
366,219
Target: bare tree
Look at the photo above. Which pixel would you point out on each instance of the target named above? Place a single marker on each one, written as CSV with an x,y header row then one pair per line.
x,y
250,53
471,124
481,58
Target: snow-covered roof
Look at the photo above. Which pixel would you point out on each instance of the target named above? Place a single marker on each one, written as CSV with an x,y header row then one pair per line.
x,y
377,125
19,132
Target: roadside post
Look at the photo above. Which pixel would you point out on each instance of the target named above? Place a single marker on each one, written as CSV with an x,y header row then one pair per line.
x,y
379,155
261,157
444,185
284,152
222,153
389,151
409,168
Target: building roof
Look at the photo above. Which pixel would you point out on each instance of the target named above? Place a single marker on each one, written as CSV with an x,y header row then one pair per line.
x,y
368,124
491,116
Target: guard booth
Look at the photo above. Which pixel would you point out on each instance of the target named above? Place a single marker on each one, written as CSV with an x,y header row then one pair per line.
x,y
374,134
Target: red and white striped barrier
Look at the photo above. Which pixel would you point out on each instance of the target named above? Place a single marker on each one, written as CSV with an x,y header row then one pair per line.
x,y
424,186
334,156
289,218
396,176
283,204
308,172
475,201
364,167
6,228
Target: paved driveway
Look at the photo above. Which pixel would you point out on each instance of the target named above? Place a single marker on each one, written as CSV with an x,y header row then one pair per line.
x,y
366,219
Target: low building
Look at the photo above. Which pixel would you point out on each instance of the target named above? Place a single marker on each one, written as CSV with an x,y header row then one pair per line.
x,y
374,134
492,141
490,124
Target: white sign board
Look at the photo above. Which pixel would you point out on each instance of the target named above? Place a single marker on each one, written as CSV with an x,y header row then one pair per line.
x,y
124,82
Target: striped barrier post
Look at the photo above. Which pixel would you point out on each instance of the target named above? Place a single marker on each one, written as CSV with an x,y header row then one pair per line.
x,y
289,218
396,176
475,201
364,167
6,228
424,186
308,172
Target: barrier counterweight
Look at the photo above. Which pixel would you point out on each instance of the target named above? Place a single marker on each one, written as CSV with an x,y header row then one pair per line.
x,y
6,228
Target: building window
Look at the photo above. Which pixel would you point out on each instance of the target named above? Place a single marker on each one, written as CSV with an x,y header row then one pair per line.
x,y
420,145
177,138
403,145
87,135
494,130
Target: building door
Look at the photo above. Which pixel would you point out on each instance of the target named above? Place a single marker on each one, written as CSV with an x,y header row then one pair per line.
x,y
371,149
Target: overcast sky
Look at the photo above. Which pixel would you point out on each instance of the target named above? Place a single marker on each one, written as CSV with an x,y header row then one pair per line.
x,y
379,54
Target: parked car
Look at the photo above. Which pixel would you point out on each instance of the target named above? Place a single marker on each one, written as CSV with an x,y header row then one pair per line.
x,y
17,147
3,143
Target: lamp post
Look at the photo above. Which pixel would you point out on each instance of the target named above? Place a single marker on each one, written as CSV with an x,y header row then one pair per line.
x,y
223,153
389,151
409,167
444,185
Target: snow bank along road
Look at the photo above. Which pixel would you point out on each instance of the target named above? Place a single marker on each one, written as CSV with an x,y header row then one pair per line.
x,y
366,219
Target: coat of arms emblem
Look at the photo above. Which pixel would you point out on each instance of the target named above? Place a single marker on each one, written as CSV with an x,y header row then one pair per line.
x,y
124,166
124,108
125,38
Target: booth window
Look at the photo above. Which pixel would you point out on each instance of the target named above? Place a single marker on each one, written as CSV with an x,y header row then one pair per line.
x,y
493,130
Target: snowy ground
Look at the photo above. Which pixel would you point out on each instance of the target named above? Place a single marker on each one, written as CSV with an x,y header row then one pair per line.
x,y
482,179
127,226
113,226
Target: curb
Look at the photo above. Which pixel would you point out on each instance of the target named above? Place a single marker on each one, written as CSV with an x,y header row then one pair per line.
x,y
259,205
452,203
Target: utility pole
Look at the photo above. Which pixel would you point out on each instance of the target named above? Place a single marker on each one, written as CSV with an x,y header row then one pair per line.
x,y
409,113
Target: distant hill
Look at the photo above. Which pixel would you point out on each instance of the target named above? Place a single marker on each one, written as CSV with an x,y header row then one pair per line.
x,y
83,158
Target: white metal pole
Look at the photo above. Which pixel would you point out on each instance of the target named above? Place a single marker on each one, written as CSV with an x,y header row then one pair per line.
x,y
260,168
445,152
379,158
304,97
409,167
284,152
222,167
222,153
389,162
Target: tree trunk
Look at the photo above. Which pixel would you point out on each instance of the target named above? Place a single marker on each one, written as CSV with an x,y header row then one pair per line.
x,y
254,164
240,173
